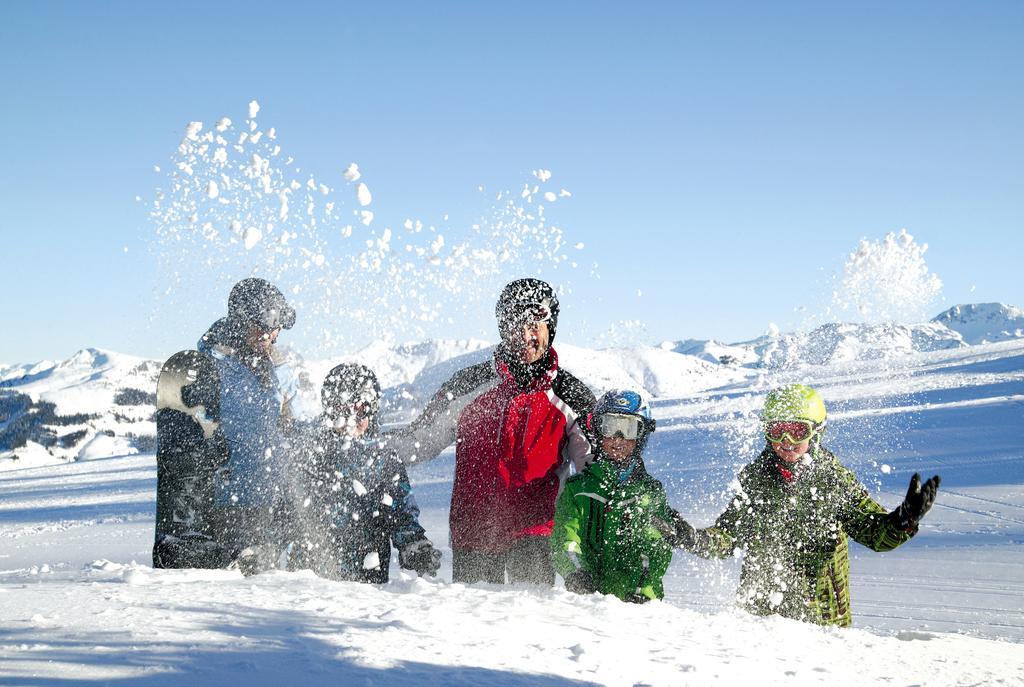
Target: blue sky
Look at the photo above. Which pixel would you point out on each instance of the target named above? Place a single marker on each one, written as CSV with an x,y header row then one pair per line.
x,y
723,158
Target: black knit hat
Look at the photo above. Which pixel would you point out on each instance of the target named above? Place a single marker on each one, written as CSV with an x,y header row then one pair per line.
x,y
524,301
257,301
349,384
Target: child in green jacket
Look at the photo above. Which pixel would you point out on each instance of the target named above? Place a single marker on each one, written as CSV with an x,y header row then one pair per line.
x,y
795,508
603,539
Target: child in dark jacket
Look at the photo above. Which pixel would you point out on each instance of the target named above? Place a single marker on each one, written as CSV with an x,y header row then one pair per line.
x,y
357,497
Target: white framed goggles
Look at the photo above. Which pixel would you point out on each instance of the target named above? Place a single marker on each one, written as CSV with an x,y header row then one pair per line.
x,y
612,425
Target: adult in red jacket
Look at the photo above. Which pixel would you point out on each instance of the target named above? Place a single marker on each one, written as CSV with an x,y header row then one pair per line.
x,y
517,422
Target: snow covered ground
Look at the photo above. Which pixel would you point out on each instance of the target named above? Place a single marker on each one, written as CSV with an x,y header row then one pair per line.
x,y
79,603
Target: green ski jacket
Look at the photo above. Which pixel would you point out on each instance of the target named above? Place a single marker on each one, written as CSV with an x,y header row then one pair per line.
x,y
794,537
605,528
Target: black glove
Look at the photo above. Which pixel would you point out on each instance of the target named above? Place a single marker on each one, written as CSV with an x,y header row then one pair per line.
x,y
678,533
580,582
919,499
421,556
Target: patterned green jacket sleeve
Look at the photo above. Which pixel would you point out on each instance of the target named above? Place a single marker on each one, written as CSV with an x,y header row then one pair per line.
x,y
866,521
565,537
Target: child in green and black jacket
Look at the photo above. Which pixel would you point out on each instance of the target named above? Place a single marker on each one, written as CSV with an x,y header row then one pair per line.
x,y
795,508
603,539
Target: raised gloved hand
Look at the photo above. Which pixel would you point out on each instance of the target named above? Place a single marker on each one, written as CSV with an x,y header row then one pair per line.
x,y
421,556
678,533
580,582
919,499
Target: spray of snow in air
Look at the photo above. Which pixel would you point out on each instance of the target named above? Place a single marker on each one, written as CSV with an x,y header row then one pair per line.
x,y
888,280
879,303
234,203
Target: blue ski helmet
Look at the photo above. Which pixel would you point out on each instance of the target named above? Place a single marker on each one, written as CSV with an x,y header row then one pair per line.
x,y
623,402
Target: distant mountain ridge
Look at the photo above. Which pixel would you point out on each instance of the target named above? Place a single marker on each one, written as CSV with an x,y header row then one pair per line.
x,y
984,322
99,403
961,325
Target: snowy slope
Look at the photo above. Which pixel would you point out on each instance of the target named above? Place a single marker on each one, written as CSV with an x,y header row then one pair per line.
x,y
79,601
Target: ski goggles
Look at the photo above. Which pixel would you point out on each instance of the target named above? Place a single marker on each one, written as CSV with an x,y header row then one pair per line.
x,y
530,313
795,431
350,411
612,425
277,318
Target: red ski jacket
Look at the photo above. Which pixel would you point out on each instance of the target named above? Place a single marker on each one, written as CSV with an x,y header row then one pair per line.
x,y
513,448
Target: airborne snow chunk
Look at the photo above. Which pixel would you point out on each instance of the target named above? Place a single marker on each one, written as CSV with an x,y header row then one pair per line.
x,y
252,237
351,173
363,195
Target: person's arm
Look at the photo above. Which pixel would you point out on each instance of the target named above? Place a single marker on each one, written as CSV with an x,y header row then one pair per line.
x,y
401,508
868,523
566,541
717,541
401,515
575,401
566,544
657,547
435,429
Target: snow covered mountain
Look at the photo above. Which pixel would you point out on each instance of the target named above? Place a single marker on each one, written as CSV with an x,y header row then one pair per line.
x,y
94,404
100,403
984,322
397,365
826,344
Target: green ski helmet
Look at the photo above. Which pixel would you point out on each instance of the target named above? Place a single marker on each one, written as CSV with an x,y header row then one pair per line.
x,y
794,402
